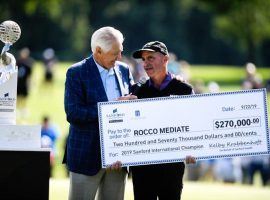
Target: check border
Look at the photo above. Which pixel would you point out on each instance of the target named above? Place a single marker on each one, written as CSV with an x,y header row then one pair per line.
x,y
263,90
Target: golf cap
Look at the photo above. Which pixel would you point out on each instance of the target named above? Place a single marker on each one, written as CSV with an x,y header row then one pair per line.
x,y
154,46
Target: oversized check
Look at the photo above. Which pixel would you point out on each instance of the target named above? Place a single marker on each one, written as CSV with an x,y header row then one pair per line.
x,y
167,129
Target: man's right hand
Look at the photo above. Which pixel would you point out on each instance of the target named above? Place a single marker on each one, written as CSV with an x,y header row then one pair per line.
x,y
128,97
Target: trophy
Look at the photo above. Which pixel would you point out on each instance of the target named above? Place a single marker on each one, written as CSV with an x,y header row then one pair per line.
x,y
10,32
12,136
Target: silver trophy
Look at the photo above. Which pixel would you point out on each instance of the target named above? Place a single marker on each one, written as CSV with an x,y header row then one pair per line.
x,y
10,32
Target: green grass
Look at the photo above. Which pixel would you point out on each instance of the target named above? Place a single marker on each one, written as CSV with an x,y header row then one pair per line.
x,y
219,191
47,99
224,75
191,191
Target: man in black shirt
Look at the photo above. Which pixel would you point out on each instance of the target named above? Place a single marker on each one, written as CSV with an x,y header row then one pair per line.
x,y
161,180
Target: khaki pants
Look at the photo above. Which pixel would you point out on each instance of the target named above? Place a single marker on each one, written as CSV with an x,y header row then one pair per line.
x,y
105,185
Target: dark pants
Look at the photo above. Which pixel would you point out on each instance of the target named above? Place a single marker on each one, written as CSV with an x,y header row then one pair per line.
x,y
163,181
253,168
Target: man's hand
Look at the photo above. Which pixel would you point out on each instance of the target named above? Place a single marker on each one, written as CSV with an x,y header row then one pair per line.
x,y
115,166
128,97
190,160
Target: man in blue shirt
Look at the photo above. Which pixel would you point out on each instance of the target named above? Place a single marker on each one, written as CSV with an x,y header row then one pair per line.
x,y
98,78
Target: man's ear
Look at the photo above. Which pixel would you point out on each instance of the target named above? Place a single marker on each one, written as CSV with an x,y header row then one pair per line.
x,y
166,58
98,50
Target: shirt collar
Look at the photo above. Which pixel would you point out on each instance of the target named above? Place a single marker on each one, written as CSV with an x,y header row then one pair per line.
x,y
102,69
164,83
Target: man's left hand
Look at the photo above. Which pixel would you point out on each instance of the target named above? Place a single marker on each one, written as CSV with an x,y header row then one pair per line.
x,y
115,166
190,160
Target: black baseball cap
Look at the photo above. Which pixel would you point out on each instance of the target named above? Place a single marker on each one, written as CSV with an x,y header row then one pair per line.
x,y
154,46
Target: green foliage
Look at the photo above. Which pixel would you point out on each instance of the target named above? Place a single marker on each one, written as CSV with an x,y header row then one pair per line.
x,y
52,7
247,21
62,25
244,22
199,31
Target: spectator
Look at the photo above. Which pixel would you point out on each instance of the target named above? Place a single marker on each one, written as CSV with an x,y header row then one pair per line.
x,y
174,65
252,79
258,164
199,86
138,71
24,63
227,170
185,70
49,61
213,87
49,135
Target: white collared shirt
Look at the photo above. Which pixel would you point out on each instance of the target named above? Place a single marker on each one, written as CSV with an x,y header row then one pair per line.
x,y
108,78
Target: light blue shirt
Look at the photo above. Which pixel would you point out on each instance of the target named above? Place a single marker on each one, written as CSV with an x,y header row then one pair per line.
x,y
109,82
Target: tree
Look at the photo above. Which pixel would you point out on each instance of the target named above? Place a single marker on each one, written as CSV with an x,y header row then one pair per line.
x,y
246,22
59,24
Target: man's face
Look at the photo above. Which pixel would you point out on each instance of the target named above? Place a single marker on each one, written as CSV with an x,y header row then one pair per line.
x,y
154,64
108,59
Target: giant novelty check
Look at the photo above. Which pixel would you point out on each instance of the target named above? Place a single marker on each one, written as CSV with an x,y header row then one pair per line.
x,y
167,129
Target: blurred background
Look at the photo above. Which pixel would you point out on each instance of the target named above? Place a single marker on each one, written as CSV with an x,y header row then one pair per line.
x,y
221,45
201,31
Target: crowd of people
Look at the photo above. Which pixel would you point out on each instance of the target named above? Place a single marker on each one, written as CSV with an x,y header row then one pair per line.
x,y
96,79
25,64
